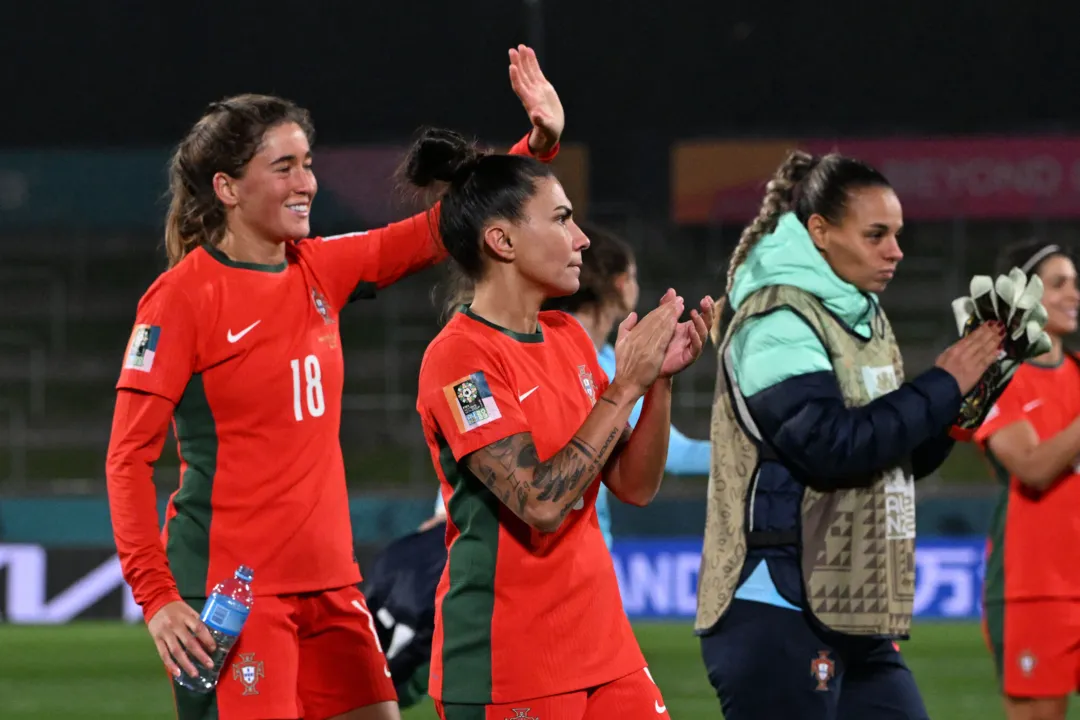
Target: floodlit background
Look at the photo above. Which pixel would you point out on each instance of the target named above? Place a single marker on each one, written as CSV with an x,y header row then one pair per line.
x,y
677,113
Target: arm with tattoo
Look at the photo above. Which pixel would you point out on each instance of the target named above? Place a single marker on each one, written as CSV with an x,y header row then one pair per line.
x,y
542,493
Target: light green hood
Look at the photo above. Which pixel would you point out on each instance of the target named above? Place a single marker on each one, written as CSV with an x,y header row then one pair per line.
x,y
787,256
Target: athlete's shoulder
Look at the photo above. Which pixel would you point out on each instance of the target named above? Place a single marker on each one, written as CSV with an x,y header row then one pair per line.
x,y
563,325
1031,381
558,319
306,246
173,286
461,338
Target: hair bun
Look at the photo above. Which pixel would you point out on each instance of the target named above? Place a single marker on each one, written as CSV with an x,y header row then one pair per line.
x,y
440,156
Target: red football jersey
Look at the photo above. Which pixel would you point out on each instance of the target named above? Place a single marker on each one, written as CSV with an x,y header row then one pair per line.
x,y
519,613
251,356
1034,536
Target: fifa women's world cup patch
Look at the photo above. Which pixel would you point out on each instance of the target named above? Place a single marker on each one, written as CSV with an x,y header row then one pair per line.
x,y
142,347
471,402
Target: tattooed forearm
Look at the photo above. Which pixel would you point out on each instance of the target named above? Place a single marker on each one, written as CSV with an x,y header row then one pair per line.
x,y
595,465
512,470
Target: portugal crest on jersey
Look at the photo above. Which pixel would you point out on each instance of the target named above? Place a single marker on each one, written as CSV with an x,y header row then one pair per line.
x,y
587,382
321,305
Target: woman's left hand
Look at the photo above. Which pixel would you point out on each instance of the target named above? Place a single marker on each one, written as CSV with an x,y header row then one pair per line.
x,y
539,98
689,338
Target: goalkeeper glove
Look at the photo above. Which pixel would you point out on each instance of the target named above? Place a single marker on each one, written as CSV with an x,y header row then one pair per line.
x,y
1014,301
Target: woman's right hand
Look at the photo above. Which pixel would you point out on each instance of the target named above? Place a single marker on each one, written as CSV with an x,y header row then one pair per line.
x,y
178,632
970,356
641,345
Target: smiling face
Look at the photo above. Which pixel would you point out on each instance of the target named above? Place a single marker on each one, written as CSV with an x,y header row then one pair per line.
x,y
272,199
1061,298
864,249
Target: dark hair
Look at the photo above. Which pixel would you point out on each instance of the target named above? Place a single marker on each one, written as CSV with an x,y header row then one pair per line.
x,y
477,186
608,257
225,139
806,185
1029,255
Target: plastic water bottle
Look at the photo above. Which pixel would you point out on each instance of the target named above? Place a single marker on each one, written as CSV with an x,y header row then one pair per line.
x,y
224,615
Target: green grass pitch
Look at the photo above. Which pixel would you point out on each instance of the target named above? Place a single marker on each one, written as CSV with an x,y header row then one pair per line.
x,y
109,670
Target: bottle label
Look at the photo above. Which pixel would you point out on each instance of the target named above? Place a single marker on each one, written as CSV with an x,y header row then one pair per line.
x,y
224,614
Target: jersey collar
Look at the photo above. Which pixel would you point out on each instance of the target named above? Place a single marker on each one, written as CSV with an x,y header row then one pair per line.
x,y
535,337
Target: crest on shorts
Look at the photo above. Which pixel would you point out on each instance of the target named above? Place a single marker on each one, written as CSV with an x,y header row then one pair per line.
x,y
248,671
321,305
822,668
1027,662
522,714
587,382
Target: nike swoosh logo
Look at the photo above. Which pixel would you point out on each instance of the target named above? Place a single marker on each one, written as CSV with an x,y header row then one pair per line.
x,y
387,671
660,709
522,396
1033,404
233,338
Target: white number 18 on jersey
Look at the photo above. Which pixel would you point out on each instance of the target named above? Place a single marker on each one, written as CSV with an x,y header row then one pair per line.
x,y
316,402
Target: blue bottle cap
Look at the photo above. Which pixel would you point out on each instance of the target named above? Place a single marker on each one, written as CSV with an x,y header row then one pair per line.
x,y
244,573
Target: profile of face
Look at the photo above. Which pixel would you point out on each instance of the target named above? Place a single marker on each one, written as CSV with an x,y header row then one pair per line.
x,y
545,245
627,286
1061,298
864,248
273,197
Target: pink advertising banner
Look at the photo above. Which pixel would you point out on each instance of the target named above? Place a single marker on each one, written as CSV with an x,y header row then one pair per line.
x,y
936,179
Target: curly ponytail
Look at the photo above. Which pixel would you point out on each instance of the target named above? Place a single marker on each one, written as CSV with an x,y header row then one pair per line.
x,y
779,199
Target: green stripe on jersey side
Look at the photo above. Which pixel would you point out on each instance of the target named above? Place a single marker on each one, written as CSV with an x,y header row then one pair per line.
x,y
994,578
469,604
464,712
188,545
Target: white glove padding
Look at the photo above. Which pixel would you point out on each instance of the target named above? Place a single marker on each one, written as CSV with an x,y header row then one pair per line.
x,y
1014,301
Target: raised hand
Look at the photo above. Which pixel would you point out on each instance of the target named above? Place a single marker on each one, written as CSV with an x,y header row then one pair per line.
x,y
689,338
539,98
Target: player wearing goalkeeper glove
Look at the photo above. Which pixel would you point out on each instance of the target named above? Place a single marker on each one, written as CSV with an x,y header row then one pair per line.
x,y
807,573
1031,437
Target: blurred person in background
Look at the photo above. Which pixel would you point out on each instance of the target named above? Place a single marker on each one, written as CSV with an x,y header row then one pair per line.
x,y
1031,593
521,422
807,574
237,344
400,587
609,292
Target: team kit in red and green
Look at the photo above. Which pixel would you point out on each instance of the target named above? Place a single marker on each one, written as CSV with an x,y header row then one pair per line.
x,y
246,359
1032,587
525,621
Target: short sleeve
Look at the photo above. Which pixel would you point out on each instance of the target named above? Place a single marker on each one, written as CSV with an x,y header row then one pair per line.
x,y
465,394
1008,409
160,354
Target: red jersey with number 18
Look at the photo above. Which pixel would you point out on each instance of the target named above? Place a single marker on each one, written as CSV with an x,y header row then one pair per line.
x,y
251,357
520,614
